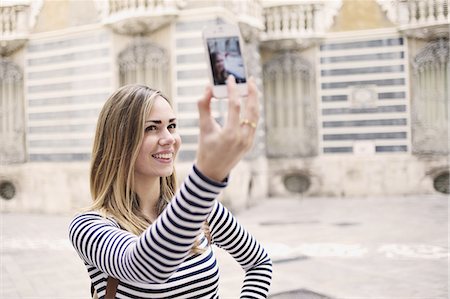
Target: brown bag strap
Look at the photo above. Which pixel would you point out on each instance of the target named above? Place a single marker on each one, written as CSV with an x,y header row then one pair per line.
x,y
111,287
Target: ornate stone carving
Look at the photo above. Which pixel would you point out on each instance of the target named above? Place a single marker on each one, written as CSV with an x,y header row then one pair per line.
x,y
146,63
434,53
143,53
363,96
430,101
12,125
288,62
290,107
9,71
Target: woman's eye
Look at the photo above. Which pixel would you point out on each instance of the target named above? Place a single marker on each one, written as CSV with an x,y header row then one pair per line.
x,y
172,126
151,128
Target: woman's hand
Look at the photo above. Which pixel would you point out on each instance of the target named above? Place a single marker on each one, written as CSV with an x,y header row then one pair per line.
x,y
221,148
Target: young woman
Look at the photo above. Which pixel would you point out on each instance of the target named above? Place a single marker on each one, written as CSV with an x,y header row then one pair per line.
x,y
143,238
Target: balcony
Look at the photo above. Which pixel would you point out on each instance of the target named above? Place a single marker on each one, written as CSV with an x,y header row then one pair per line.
x,y
423,19
248,14
135,17
14,27
297,24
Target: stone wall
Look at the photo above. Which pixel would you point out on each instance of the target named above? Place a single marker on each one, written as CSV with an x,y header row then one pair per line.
x,y
61,188
64,187
358,176
46,187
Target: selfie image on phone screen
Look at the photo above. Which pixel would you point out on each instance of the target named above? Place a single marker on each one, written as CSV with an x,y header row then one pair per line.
x,y
226,59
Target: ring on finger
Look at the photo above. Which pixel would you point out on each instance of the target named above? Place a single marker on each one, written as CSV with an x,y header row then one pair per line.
x,y
248,122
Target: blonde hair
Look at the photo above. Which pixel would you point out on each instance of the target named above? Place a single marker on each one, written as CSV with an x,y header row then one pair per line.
x,y
119,135
118,138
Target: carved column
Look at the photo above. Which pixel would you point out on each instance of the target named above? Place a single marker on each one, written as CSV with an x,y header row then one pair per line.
x,y
289,90
257,185
145,63
431,99
12,128
253,63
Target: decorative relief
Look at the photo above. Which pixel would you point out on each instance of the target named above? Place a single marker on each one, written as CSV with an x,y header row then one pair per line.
x,y
363,96
146,63
9,71
142,53
290,107
434,53
12,125
288,62
430,101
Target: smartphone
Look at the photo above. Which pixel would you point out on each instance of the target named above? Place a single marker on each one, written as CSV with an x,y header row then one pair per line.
x,y
223,49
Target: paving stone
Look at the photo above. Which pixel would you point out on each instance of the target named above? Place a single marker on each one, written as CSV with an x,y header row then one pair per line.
x,y
383,248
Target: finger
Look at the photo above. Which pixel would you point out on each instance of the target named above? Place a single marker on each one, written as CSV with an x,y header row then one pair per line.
x,y
234,105
251,111
204,107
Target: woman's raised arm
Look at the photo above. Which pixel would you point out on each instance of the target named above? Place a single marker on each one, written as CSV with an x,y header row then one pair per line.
x,y
221,148
157,253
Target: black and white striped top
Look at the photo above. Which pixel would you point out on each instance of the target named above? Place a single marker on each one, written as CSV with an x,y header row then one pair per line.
x,y
159,263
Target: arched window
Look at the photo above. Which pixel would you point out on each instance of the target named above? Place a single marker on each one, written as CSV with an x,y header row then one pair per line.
x,y
291,128
145,63
431,98
12,126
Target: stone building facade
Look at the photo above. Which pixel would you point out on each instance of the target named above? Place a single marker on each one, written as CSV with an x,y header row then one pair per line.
x,y
354,92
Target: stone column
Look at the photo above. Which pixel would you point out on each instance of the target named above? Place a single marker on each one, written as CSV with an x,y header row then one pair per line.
x,y
431,99
257,157
12,125
253,63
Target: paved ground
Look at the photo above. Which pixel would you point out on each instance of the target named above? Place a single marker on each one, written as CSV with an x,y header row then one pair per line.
x,y
382,248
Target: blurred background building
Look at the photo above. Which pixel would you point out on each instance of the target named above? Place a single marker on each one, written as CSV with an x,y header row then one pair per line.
x,y
355,93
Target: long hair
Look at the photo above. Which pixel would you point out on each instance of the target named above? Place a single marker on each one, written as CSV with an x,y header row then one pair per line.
x,y
118,137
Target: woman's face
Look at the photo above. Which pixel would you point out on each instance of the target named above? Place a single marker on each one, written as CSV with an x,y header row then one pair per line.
x,y
219,64
161,142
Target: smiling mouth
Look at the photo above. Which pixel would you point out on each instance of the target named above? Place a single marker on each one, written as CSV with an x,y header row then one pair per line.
x,y
163,157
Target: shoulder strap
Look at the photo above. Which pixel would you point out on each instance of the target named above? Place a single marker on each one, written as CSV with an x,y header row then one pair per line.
x,y
111,287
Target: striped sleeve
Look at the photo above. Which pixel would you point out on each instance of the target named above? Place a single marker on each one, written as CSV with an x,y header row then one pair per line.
x,y
227,233
157,253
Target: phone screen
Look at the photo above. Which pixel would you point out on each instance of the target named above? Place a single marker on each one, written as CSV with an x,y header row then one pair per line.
x,y
226,59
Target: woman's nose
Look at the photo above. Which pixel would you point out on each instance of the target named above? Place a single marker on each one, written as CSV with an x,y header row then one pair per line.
x,y
166,138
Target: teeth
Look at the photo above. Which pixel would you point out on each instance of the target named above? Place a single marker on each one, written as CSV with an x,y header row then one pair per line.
x,y
163,156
